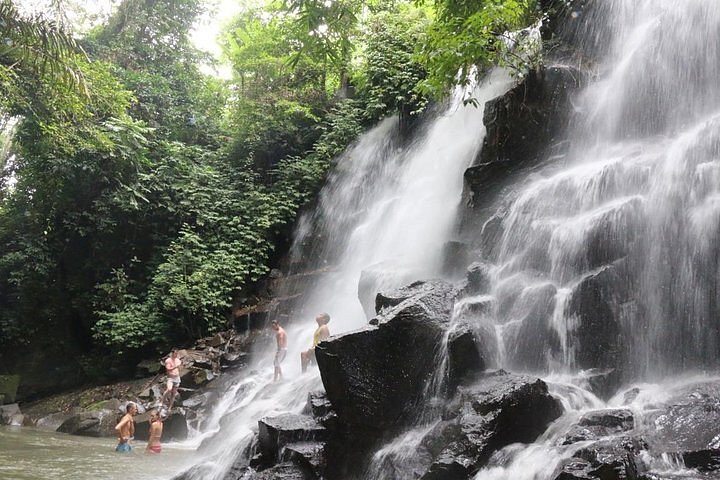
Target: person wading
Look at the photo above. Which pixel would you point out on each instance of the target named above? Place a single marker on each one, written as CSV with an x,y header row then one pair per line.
x,y
126,429
155,433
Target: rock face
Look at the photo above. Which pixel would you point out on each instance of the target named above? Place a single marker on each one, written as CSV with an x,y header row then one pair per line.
x,y
496,411
687,426
602,423
486,414
523,127
620,447
375,377
91,424
275,433
598,303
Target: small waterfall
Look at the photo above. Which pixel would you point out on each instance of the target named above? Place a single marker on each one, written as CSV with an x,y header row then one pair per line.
x,y
8,125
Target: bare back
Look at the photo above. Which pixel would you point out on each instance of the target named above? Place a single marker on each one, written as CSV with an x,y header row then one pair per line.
x,y
281,338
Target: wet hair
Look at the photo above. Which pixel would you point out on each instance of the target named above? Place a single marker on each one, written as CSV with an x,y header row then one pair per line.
x,y
325,318
129,406
274,322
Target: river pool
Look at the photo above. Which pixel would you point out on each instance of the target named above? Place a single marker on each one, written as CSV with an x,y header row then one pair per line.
x,y
32,454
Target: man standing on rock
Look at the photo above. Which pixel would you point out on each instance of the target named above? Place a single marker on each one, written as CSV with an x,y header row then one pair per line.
x,y
322,332
281,339
126,429
172,367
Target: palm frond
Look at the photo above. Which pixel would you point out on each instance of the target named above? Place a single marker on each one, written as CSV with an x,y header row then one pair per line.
x,y
39,45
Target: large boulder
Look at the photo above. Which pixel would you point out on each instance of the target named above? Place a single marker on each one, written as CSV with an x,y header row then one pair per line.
x,y
495,411
375,377
614,459
100,423
594,304
383,277
275,433
686,426
598,424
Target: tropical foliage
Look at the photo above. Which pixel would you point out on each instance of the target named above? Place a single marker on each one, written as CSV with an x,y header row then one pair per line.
x,y
145,199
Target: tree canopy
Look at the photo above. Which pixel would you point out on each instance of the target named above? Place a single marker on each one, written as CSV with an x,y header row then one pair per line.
x,y
145,199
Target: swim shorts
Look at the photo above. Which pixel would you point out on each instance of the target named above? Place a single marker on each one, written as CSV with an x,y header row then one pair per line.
x,y
123,448
279,357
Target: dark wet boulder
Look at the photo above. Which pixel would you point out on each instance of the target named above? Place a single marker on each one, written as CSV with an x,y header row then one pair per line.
x,y
603,382
436,296
524,126
687,425
614,459
277,432
377,376
318,405
99,423
283,471
615,420
309,456
598,424
495,411
464,356
595,303
385,277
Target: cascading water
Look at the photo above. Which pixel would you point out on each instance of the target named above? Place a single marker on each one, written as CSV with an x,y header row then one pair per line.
x,y
635,210
388,208
611,259
386,211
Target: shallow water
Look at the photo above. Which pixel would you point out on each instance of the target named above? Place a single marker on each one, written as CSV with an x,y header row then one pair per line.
x,y
32,454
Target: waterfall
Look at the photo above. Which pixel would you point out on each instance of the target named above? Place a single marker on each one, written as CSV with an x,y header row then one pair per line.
x,y
388,209
624,234
8,125
386,212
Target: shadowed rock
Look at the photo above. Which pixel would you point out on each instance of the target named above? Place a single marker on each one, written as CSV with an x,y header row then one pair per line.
x,y
496,411
277,432
601,423
376,377
614,459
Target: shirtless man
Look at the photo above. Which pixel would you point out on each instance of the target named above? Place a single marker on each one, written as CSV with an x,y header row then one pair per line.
x,y
126,429
156,427
281,339
322,332
172,367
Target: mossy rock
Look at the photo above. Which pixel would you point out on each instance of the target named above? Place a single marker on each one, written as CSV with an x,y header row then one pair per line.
x,y
8,388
